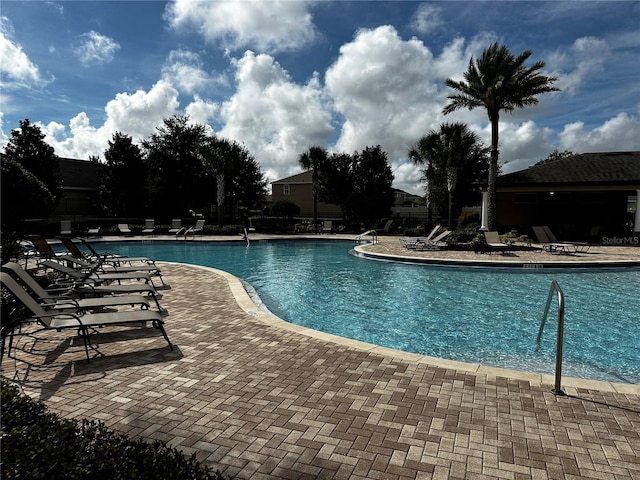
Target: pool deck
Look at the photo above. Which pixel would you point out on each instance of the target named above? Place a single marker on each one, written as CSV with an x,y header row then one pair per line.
x,y
260,398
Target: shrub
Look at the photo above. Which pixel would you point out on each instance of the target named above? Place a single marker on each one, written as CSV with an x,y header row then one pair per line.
x,y
37,444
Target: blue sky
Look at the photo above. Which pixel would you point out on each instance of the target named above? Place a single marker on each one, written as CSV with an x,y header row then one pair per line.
x,y
280,76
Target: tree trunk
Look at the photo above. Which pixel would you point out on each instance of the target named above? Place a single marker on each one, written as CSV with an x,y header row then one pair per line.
x,y
220,198
493,174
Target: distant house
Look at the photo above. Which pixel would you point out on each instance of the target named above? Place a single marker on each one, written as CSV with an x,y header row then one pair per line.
x,y
80,184
299,190
590,196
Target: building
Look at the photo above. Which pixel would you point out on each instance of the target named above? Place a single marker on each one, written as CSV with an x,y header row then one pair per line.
x,y
299,190
591,196
80,185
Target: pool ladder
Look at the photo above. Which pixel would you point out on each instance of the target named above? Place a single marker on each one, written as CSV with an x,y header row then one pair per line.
x,y
555,288
361,238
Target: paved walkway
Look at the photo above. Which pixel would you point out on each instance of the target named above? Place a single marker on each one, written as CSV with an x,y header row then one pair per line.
x,y
262,399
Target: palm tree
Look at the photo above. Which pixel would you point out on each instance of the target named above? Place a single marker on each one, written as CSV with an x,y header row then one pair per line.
x,y
498,81
313,159
450,148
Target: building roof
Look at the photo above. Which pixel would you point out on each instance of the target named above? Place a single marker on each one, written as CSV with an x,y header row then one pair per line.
x,y
607,168
80,174
304,177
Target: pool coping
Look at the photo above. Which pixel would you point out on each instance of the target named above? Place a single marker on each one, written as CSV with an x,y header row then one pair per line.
x,y
570,384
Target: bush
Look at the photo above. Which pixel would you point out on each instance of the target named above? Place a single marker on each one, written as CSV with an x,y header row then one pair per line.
x,y
37,444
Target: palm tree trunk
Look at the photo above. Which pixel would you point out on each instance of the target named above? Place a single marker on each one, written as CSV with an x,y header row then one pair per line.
x,y
493,174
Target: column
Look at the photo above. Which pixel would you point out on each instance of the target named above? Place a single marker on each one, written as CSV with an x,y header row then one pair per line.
x,y
484,215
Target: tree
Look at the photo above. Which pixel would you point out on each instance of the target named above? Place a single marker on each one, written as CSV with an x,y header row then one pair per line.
x,y
28,148
455,160
23,196
498,81
373,179
313,159
556,155
174,168
238,178
335,179
122,190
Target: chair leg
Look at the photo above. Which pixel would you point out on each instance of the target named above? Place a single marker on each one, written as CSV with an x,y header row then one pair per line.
x,y
160,327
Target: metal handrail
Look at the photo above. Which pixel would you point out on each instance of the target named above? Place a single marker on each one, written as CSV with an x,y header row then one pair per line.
x,y
555,287
374,237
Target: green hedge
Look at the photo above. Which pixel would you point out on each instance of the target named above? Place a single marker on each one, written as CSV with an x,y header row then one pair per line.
x,y
37,444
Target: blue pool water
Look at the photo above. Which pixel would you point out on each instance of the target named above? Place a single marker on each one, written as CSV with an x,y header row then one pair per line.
x,y
485,316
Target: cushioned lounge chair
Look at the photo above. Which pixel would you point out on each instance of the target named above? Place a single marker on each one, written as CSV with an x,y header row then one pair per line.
x,y
64,301
82,321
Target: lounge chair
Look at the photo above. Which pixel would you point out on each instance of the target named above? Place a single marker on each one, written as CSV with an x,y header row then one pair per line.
x,y
65,227
436,242
176,226
493,243
93,231
327,226
149,226
64,301
124,228
197,228
111,257
579,247
548,245
41,248
82,321
418,243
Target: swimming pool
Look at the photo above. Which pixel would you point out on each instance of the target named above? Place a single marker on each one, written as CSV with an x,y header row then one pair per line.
x,y
485,316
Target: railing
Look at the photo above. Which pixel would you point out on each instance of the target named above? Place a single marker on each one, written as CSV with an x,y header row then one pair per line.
x,y
555,287
374,237
246,236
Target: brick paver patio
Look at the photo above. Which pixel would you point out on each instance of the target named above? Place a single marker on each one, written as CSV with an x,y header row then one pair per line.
x,y
262,400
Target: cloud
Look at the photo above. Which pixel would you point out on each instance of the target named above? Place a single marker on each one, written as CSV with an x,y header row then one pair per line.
x,y
95,49
136,115
16,70
586,56
184,69
274,117
272,26
426,19
617,134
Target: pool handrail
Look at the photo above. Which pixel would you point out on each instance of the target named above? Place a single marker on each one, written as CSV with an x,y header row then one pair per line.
x,y
555,286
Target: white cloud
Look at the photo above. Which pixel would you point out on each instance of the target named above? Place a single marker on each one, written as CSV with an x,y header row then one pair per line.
x,y
275,118
16,69
184,70
619,133
586,56
426,18
265,26
201,111
95,49
135,114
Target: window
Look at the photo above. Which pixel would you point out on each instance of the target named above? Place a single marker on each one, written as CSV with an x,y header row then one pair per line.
x,y
286,189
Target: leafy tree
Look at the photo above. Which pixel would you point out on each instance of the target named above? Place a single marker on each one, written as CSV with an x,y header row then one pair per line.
x,y
23,196
498,81
335,179
285,209
556,155
238,178
313,159
174,168
425,152
122,190
28,148
373,179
